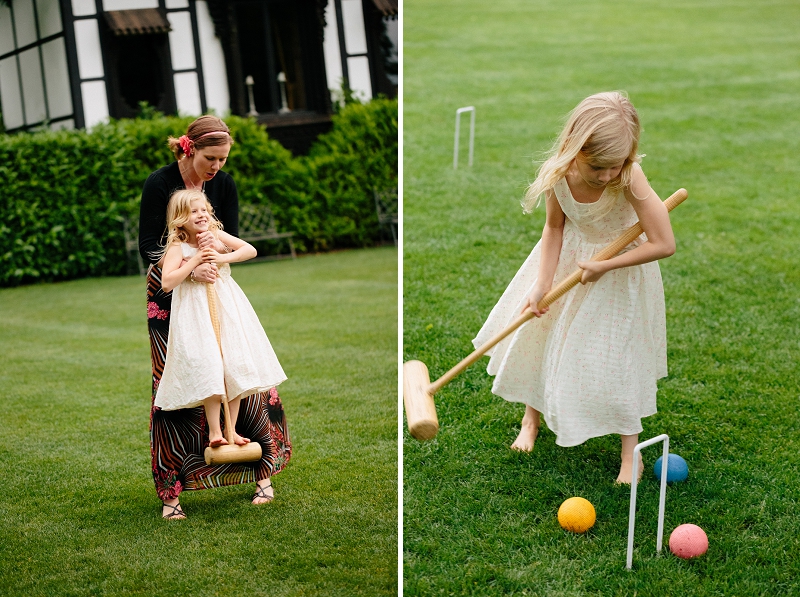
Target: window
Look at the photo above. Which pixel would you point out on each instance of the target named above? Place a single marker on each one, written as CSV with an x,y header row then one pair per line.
x,y
138,62
279,46
35,86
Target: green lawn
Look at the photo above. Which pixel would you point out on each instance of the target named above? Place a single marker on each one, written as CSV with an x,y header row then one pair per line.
x,y
79,514
717,87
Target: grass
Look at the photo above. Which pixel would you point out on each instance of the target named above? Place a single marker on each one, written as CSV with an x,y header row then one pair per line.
x,y
79,514
715,84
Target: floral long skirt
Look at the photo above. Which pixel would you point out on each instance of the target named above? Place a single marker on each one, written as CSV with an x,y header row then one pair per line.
x,y
179,437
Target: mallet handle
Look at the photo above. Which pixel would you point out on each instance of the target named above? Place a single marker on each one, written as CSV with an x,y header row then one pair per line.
x,y
212,309
556,293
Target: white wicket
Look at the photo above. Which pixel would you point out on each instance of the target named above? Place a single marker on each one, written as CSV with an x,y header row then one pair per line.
x,y
460,111
662,498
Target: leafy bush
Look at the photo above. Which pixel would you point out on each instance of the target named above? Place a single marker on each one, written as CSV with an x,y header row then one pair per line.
x,y
63,194
351,161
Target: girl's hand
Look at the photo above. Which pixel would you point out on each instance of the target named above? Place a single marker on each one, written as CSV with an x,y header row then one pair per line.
x,y
194,260
592,270
536,295
209,255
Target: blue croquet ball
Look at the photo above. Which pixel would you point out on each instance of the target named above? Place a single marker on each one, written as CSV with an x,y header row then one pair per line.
x,y
677,470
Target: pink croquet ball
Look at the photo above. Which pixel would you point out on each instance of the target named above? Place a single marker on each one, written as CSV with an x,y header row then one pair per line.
x,y
688,541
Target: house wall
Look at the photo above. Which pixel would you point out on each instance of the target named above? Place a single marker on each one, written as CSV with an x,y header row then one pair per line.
x,y
345,46
213,62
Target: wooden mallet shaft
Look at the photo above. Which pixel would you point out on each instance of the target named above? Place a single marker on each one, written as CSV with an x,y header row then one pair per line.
x,y
418,392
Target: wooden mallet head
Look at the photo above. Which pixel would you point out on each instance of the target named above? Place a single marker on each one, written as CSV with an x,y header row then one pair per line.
x,y
418,399
232,453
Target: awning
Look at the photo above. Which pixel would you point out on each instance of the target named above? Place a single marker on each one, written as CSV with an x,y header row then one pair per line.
x,y
137,22
387,7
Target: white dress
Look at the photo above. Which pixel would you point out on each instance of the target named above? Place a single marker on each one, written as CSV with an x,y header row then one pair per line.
x,y
591,363
194,369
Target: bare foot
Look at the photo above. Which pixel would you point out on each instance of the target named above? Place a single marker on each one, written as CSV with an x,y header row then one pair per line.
x,y
216,442
529,431
264,492
171,510
626,471
526,438
239,440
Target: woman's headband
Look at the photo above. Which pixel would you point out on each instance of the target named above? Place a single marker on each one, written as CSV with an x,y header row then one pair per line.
x,y
187,144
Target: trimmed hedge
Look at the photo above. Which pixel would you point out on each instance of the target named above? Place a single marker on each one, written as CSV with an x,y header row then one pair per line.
x,y
63,194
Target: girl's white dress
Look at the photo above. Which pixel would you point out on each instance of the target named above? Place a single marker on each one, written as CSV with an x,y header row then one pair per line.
x,y
194,369
591,363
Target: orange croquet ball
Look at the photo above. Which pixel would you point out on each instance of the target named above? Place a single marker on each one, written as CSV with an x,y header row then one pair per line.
x,y
577,515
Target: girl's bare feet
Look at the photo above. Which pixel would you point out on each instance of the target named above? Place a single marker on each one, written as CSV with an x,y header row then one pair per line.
x,y
216,442
264,492
239,440
529,431
626,469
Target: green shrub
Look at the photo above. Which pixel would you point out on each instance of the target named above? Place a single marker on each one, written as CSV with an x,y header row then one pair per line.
x,y
358,156
63,194
59,198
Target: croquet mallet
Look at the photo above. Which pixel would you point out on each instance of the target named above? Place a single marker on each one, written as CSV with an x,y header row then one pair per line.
x,y
231,453
418,390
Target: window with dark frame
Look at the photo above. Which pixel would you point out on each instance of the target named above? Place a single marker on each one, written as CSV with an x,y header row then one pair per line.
x,y
137,60
275,41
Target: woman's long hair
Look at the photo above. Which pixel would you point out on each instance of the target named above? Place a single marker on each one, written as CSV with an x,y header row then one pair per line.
x,y
604,129
206,131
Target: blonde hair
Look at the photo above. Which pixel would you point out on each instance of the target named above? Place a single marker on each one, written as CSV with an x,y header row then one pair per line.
x,y
603,129
206,131
179,210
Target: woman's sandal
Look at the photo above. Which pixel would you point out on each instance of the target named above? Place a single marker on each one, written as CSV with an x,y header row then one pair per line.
x,y
261,492
176,513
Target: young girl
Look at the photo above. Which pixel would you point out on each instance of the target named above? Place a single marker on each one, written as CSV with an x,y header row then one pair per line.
x,y
590,366
195,373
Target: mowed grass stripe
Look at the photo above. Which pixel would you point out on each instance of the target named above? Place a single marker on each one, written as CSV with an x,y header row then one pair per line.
x,y
79,514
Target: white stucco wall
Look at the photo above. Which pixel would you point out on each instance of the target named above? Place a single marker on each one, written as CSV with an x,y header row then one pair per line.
x,y
212,59
332,51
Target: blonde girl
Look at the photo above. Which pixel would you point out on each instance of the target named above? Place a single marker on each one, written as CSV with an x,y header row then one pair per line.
x,y
590,367
195,373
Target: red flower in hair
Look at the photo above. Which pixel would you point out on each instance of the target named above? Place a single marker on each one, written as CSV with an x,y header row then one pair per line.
x,y
186,145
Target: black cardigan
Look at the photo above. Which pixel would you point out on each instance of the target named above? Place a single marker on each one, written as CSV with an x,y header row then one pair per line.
x,y
221,192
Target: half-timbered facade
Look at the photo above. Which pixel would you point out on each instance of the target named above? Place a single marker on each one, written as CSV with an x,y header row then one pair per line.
x,y
75,63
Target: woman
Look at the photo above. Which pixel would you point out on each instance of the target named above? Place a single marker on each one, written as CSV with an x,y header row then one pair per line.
x,y
178,438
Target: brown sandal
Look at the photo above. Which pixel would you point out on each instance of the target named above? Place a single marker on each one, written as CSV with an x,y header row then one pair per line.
x,y
176,513
261,493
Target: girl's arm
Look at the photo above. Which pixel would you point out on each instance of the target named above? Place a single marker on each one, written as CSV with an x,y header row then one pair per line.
x,y
175,270
552,236
654,217
241,250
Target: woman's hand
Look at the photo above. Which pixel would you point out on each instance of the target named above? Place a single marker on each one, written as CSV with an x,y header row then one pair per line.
x,y
207,239
205,272
536,295
592,270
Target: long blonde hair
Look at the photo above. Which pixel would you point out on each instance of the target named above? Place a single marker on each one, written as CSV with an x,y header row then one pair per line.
x,y
179,210
604,129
